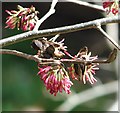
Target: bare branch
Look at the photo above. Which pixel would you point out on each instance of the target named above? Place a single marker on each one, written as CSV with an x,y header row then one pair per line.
x,y
97,7
108,37
111,58
55,31
48,14
27,56
20,54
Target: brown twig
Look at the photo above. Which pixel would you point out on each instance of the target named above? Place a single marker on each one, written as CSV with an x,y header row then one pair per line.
x,y
20,54
111,58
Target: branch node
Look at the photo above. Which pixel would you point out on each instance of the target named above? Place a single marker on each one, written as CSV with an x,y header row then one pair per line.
x,y
48,14
108,37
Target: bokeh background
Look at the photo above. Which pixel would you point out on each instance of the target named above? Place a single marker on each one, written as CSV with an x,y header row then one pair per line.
x,y
23,90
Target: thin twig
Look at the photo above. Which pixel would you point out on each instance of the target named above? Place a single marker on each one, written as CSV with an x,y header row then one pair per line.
x,y
20,54
108,37
97,7
111,58
27,56
87,95
48,14
55,31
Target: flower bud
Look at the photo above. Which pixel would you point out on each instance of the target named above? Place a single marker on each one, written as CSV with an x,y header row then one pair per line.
x,y
24,18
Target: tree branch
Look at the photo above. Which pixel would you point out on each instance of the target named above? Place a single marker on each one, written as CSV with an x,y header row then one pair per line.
x,y
20,54
35,58
48,14
108,37
97,7
59,30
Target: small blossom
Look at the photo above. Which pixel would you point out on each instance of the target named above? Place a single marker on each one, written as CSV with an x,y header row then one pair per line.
x,y
24,18
86,73
89,72
49,48
55,78
111,6
72,72
107,3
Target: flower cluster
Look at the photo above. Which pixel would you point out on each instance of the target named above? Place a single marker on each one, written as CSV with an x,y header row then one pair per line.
x,y
84,71
24,18
55,78
111,6
49,48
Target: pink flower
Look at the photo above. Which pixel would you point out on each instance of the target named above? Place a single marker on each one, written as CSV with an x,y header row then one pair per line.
x,y
114,11
72,72
55,79
86,72
89,68
89,72
24,18
107,3
111,6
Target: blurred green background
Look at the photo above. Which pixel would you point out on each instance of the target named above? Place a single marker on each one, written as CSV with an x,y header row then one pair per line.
x,y
21,87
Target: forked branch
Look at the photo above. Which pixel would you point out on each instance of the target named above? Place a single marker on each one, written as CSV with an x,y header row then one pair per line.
x,y
61,30
108,37
49,13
